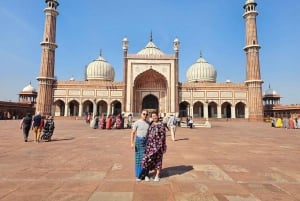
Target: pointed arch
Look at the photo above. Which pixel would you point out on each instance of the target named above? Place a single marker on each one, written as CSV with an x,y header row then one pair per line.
x,y
198,109
240,108
226,110
150,79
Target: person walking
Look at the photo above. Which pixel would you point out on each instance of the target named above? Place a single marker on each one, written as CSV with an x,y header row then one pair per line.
x,y
155,148
138,142
48,129
25,124
37,126
172,126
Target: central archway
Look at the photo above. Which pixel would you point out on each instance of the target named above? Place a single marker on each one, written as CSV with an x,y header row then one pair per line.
x,y
150,103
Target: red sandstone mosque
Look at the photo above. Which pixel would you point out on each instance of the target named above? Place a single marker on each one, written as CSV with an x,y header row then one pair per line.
x,y
151,81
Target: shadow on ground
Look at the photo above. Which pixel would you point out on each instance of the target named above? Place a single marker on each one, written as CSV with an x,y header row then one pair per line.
x,y
62,139
175,170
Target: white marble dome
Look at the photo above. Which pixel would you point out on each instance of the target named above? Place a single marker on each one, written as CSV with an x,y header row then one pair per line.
x,y
201,71
29,88
150,49
100,69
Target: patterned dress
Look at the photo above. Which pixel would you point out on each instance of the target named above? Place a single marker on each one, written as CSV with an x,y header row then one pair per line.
x,y
155,147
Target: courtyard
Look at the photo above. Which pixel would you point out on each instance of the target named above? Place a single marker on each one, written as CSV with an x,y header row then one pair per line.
x,y
232,161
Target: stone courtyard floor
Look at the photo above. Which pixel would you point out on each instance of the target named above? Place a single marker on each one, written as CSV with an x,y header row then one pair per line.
x,y
232,161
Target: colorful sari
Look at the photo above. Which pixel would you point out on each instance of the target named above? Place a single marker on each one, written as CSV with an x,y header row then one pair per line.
x,y
155,147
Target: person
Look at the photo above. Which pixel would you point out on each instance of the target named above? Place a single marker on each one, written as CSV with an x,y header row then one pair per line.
x,y
95,122
119,121
155,148
109,121
279,123
172,126
48,129
129,122
191,123
138,142
103,122
37,126
25,125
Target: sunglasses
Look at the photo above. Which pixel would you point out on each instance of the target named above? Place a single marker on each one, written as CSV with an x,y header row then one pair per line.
x,y
145,114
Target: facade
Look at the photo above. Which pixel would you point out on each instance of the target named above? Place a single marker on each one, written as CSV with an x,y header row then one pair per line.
x,y
151,81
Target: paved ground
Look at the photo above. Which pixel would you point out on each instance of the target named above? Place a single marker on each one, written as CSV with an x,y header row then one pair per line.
x,y
233,161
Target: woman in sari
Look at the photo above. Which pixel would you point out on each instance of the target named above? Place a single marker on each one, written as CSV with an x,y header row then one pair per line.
x,y
155,148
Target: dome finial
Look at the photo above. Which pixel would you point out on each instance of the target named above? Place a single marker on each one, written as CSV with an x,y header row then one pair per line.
x,y
269,86
100,52
200,54
151,39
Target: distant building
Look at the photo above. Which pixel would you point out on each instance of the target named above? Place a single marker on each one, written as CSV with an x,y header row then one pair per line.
x,y
273,107
17,110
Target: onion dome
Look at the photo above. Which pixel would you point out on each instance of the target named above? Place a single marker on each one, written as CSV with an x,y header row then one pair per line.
x,y
270,92
150,49
100,69
201,71
29,88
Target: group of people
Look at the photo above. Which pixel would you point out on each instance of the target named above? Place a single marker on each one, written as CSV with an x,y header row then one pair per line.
x,y
43,127
285,122
110,121
148,139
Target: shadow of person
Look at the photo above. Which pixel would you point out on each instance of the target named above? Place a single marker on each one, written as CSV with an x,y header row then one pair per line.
x,y
182,139
176,170
61,139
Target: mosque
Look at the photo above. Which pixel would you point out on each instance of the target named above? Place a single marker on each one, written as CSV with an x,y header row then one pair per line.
x,y
151,81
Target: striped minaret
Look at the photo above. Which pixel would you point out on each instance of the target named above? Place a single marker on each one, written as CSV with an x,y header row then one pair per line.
x,y
253,77
46,77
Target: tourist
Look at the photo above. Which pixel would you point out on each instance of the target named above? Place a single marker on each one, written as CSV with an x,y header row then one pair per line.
x,y
48,129
279,123
37,126
155,148
109,122
172,126
191,122
25,125
119,121
138,142
103,122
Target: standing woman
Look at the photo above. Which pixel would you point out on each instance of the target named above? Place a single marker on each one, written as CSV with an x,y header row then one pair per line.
x,y
138,142
155,147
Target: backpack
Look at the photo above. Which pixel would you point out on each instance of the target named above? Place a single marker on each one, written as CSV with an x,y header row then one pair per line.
x,y
27,120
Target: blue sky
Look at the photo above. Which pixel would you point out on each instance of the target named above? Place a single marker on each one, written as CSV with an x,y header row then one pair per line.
x,y
214,27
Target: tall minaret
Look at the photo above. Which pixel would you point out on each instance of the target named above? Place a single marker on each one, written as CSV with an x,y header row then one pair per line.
x,y
253,78
125,51
46,77
176,45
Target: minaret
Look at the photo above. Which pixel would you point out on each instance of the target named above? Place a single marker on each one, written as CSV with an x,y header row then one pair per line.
x,y
176,45
253,78
46,77
125,51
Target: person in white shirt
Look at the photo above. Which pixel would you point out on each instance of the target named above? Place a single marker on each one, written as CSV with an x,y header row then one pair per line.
x,y
172,126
